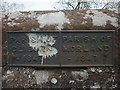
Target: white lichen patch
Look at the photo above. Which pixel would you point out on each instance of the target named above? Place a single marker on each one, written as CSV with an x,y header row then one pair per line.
x,y
92,69
83,74
9,72
54,80
41,76
100,19
99,70
71,81
43,44
95,86
57,18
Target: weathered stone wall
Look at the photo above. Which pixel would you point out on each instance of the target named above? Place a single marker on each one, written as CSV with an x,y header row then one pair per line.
x,y
83,77
119,59
119,48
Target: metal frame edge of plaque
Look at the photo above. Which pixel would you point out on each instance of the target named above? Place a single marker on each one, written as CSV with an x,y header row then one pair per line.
x,y
50,54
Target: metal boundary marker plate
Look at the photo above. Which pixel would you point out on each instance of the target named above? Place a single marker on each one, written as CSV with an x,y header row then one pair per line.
x,y
60,48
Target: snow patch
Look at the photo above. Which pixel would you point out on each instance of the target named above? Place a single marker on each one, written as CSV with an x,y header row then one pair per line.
x,y
57,18
100,19
95,86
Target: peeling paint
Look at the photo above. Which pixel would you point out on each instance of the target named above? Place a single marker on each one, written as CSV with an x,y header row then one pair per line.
x,y
43,45
101,19
57,18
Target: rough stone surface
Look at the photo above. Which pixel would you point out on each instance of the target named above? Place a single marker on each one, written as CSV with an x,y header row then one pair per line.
x,y
101,19
20,77
83,74
83,77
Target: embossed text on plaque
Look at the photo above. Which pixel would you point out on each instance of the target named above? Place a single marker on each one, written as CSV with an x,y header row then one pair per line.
x,y
60,48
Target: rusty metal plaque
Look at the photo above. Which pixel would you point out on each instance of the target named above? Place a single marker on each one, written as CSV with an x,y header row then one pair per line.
x,y
60,48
